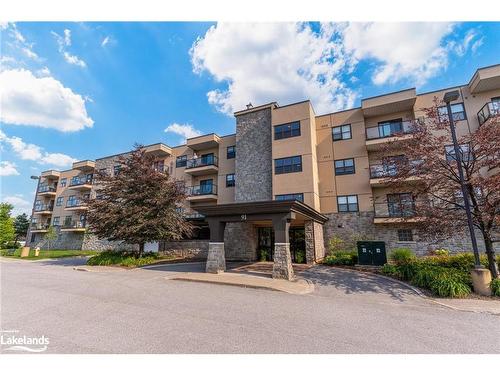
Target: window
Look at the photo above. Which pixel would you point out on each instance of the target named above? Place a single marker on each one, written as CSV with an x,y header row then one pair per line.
x,y
464,150
288,165
68,221
341,132
291,129
400,205
344,166
231,152
59,201
230,180
71,201
116,170
290,197
347,203
181,161
405,235
63,182
103,171
55,221
159,166
388,128
457,111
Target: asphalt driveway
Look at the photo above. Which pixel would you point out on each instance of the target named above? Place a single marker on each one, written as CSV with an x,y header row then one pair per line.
x,y
139,311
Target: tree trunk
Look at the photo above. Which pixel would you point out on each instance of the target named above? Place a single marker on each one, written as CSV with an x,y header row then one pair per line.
x,y
141,249
490,252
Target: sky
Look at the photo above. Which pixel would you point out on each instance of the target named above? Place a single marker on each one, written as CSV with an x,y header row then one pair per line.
x,y
75,91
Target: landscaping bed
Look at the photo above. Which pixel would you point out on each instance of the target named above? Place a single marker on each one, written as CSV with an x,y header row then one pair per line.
x,y
442,275
128,259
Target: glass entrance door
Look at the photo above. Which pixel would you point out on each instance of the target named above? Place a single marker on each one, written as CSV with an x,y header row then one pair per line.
x,y
266,244
298,245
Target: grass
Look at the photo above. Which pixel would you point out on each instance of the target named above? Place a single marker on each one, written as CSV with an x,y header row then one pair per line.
x,y
47,254
125,259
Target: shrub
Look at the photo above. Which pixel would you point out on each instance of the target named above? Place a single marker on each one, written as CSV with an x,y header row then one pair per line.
x,y
423,276
336,244
263,255
495,287
342,258
446,284
389,269
401,256
440,252
110,258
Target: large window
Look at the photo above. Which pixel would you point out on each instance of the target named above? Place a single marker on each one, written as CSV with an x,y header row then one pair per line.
x,y
230,181
290,197
341,132
181,161
465,154
344,166
400,204
59,201
391,127
287,130
288,165
347,203
231,152
56,221
457,111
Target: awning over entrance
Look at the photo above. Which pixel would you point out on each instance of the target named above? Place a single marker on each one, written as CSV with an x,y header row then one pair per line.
x,y
280,213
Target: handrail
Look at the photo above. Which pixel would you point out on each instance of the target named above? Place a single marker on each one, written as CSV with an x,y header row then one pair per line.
x,y
388,130
202,161
201,190
487,111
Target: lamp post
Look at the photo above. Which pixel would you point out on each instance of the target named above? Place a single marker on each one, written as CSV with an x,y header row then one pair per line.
x,y
448,98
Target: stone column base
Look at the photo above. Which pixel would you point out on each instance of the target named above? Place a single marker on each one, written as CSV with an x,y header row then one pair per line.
x,y
481,279
216,261
282,267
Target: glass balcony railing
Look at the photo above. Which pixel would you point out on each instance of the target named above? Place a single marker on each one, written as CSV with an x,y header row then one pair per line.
x,y
489,110
80,180
202,161
44,207
389,129
74,224
75,203
388,169
201,190
46,189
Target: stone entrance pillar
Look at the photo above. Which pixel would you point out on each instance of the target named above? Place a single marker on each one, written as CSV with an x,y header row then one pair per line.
x,y
216,261
282,267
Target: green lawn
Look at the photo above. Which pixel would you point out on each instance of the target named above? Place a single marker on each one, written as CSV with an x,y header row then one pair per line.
x,y
47,254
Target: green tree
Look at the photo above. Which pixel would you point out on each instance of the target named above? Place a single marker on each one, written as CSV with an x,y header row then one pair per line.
x,y
138,204
7,232
50,235
21,225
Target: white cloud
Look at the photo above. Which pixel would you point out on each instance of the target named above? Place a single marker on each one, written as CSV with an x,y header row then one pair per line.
x,y
415,51
42,102
184,130
20,204
105,41
20,41
8,168
63,42
265,62
29,151
471,41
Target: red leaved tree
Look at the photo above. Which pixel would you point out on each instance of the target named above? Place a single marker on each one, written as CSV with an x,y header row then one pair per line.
x,y
426,160
138,204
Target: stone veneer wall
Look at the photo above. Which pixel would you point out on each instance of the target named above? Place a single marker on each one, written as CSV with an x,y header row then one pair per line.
x,y
191,249
355,226
253,164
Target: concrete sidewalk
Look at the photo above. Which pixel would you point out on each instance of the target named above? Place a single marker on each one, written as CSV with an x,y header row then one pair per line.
x,y
470,304
297,286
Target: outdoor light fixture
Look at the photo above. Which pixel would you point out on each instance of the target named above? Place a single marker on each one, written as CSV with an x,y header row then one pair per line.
x,y
35,177
449,97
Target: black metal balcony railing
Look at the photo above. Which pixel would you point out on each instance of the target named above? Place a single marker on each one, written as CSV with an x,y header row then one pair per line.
x,y
388,169
39,226
73,224
388,130
46,189
489,110
395,209
202,161
44,207
80,180
75,203
201,190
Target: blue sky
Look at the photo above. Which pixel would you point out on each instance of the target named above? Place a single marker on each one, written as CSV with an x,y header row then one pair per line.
x,y
73,91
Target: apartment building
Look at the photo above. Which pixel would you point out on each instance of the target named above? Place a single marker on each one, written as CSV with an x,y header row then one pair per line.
x,y
285,183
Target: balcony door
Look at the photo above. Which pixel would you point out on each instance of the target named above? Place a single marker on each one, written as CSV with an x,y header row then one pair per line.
x,y
388,128
206,186
207,159
400,205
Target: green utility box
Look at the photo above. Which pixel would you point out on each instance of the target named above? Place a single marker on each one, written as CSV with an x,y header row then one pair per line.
x,y
371,253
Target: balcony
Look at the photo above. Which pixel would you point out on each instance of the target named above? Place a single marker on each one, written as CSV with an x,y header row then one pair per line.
x,y
395,212
81,183
51,174
394,102
202,166
203,142
46,190
73,226
44,209
84,165
488,111
39,228
377,136
380,173
76,204
202,193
